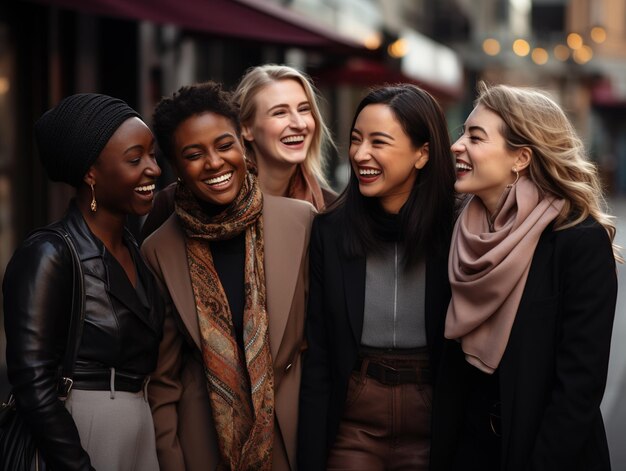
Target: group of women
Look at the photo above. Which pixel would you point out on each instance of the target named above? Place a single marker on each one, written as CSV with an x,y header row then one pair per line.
x,y
451,309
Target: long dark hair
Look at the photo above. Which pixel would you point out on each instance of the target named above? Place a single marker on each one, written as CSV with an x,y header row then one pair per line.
x,y
426,219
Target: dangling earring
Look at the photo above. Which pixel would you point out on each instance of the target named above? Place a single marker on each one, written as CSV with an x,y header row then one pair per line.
x,y
516,172
94,205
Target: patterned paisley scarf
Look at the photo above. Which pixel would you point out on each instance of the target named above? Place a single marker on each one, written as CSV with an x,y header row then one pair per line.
x,y
489,263
240,384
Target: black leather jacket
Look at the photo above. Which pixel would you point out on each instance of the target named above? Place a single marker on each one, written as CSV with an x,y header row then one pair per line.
x,y
119,330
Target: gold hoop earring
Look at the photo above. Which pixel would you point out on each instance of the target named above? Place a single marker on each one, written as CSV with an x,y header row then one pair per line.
x,y
516,172
94,204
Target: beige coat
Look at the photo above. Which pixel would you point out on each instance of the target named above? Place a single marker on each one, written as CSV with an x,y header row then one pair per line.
x,y
185,433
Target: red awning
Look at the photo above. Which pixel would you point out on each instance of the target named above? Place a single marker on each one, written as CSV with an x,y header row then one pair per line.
x,y
256,20
367,73
603,94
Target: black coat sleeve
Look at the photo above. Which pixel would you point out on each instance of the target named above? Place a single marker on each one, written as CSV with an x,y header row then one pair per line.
x,y
588,298
316,379
37,302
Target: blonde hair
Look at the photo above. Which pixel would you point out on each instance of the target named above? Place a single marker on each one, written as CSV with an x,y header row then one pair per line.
x,y
560,165
255,79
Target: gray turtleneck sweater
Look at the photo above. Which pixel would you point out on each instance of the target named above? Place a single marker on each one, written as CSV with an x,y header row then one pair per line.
x,y
394,301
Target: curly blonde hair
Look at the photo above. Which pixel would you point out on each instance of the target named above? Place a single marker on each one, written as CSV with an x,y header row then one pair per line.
x,y
560,164
253,82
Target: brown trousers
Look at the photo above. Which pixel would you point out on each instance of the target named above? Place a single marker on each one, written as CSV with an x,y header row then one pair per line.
x,y
384,427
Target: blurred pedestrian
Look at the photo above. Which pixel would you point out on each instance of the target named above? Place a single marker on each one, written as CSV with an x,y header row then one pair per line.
x,y
99,145
379,291
534,288
233,262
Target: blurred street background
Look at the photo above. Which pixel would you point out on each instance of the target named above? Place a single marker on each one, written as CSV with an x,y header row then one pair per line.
x,y
141,50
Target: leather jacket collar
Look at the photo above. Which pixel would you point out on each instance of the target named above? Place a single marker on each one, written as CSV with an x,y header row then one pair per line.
x,y
97,261
87,244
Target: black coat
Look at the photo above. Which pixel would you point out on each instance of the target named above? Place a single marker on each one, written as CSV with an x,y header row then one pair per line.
x,y
333,332
118,331
554,368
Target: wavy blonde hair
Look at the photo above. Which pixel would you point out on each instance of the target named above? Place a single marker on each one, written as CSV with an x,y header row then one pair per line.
x,y
560,164
253,82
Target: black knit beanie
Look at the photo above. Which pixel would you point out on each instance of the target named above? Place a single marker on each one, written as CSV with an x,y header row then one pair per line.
x,y
71,135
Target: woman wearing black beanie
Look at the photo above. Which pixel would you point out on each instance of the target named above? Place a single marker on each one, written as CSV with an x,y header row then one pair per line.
x,y
99,145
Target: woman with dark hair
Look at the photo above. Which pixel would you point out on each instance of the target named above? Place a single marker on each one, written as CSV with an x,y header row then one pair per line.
x,y
99,145
232,262
379,291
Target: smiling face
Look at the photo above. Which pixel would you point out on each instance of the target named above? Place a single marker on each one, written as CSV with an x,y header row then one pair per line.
x,y
208,156
125,173
483,161
283,125
383,157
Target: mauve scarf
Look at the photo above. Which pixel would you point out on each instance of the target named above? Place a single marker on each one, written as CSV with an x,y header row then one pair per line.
x,y
302,185
488,268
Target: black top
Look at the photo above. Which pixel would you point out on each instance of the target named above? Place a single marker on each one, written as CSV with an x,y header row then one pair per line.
x,y
229,260
386,226
479,444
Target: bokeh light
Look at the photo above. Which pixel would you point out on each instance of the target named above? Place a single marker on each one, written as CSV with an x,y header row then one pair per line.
x,y
521,47
372,41
574,41
539,56
398,48
583,55
491,46
561,52
598,34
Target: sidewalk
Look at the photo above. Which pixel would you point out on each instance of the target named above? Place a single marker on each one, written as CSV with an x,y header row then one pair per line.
x,y
613,405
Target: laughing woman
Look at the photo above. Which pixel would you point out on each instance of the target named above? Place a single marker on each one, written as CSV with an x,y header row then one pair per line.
x,y
534,288
99,145
232,262
285,139
379,291
284,133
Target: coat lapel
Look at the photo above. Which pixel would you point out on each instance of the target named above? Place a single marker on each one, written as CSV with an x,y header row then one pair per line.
x,y
175,274
436,303
541,271
120,287
153,297
284,244
284,240
354,286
